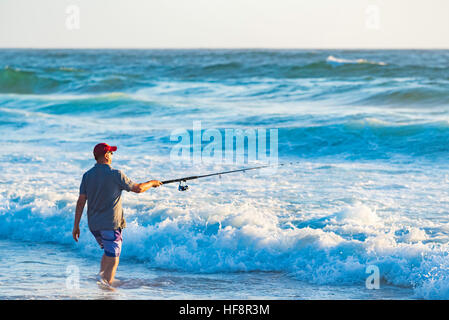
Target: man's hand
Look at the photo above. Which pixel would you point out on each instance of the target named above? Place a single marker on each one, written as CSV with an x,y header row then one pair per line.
x,y
78,213
155,183
76,233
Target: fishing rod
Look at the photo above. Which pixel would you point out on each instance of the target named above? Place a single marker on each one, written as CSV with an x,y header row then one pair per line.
x,y
183,181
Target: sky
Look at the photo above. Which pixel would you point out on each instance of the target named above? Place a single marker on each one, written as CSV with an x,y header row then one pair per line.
x,y
365,24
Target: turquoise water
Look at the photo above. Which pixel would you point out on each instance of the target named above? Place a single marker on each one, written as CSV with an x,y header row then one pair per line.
x,y
368,132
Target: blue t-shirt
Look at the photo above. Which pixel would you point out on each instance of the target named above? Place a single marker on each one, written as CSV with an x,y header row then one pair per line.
x,y
103,187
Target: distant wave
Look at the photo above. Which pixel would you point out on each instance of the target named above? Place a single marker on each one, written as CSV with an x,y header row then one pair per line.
x,y
217,67
83,72
339,61
380,94
62,80
26,82
347,137
108,105
367,138
419,96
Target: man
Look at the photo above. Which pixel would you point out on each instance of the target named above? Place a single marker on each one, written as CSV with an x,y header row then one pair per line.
x,y
102,187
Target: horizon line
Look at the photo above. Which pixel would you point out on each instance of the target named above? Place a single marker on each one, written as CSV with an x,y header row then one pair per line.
x,y
220,48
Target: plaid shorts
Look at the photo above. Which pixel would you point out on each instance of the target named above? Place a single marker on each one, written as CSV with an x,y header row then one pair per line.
x,y
110,241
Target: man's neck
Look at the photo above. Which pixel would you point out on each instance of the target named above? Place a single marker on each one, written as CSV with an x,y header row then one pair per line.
x,y
101,162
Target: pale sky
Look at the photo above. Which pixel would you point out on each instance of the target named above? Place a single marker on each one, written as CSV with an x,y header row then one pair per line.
x,y
224,23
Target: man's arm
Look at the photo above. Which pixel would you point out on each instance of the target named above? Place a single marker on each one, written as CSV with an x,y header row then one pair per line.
x,y
144,186
78,213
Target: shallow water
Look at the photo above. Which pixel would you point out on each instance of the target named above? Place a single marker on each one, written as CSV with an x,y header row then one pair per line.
x,y
43,271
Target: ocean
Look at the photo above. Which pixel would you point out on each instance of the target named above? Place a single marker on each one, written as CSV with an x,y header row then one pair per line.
x,y
359,211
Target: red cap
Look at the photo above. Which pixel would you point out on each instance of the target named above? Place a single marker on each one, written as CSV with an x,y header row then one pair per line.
x,y
101,149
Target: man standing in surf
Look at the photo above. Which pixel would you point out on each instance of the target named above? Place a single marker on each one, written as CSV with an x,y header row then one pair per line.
x,y
102,187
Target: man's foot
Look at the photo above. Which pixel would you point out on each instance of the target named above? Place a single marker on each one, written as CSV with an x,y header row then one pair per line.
x,y
99,276
103,283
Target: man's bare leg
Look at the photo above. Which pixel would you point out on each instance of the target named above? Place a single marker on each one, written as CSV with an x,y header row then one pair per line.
x,y
108,268
102,265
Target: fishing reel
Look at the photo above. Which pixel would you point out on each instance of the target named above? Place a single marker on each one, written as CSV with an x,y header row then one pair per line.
x,y
183,186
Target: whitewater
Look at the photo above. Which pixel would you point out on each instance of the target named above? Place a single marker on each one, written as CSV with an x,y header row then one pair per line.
x,y
367,130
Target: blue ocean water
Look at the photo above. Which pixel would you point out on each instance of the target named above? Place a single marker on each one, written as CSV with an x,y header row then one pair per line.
x,y
368,132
